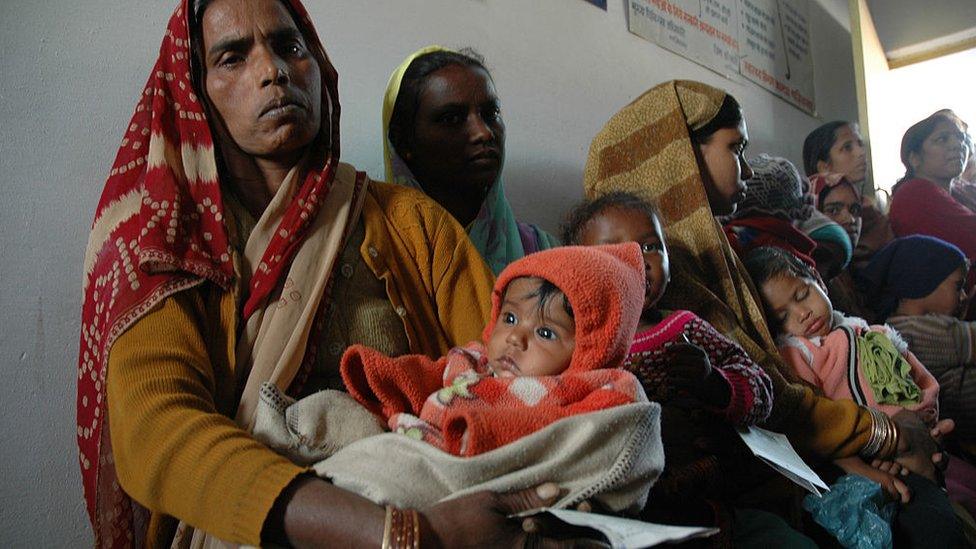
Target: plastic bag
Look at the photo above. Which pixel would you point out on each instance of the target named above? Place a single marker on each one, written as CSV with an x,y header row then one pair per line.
x,y
855,511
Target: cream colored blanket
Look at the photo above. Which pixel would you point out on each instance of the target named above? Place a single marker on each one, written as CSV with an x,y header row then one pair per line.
x,y
611,457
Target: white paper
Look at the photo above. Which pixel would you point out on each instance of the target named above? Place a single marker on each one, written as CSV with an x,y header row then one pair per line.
x,y
631,534
775,449
705,31
774,48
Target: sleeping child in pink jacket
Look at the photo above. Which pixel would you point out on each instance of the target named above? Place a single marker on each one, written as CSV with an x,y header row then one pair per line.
x,y
848,359
843,356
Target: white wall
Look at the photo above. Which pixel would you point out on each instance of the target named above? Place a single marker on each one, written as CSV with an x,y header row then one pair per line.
x,y
70,76
898,98
945,82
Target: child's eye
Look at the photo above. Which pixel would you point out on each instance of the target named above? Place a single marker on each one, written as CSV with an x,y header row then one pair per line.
x,y
545,333
651,247
509,318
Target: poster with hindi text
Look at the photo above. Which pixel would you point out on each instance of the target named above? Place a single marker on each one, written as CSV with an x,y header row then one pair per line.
x,y
704,31
774,48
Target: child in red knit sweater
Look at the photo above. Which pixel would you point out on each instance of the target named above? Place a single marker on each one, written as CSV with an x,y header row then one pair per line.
x,y
705,382
562,321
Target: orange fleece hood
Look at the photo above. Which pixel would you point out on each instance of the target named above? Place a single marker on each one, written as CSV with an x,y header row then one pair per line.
x,y
605,288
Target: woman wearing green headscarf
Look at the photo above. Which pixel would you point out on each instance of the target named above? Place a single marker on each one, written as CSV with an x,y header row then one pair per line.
x,y
443,134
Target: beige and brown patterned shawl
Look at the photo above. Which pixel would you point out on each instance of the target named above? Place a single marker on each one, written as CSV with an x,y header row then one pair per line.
x,y
646,149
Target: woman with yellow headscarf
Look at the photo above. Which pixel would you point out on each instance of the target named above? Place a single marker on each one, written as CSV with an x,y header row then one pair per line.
x,y
443,134
681,145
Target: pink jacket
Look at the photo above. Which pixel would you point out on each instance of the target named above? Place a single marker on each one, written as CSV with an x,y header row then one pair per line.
x,y
830,363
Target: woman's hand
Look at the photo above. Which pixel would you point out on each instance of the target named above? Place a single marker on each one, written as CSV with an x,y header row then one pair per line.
x,y
481,520
690,372
891,484
919,448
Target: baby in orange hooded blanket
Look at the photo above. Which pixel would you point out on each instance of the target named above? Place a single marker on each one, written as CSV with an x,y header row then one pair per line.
x,y
562,321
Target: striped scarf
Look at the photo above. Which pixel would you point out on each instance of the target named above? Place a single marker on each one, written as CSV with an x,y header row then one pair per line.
x,y
646,149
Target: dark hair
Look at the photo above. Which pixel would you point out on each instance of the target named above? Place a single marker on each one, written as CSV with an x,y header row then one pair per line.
x,y
913,139
582,213
546,292
817,145
767,262
729,115
404,115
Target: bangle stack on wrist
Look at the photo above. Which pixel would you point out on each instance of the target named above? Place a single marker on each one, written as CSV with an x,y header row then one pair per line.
x,y
883,443
401,530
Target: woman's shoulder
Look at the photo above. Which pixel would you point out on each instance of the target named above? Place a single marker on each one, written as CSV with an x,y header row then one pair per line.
x,y
394,198
406,208
910,188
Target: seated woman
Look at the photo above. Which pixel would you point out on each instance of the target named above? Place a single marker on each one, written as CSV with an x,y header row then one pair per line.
x,y
689,160
443,134
837,147
963,188
232,248
934,153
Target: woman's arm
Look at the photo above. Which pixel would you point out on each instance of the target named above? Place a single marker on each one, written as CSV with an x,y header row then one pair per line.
x,y
176,450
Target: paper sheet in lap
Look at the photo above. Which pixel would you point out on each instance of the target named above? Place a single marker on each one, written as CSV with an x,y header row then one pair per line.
x,y
624,533
775,449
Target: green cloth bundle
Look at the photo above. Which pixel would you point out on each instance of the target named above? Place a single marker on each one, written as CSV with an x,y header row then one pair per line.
x,y
887,371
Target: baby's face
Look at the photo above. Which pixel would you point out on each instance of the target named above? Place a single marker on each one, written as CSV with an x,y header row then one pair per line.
x,y
528,340
797,306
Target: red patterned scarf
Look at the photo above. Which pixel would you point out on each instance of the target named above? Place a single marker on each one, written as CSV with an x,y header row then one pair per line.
x,y
158,229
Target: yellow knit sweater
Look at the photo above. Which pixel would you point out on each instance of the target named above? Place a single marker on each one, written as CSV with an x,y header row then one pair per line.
x,y
172,380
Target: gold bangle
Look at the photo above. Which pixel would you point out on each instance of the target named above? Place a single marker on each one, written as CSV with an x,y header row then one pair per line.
x,y
895,435
387,527
401,529
877,437
416,529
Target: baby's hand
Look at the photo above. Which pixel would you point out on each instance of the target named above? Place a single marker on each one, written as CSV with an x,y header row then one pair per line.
x,y
690,372
893,486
